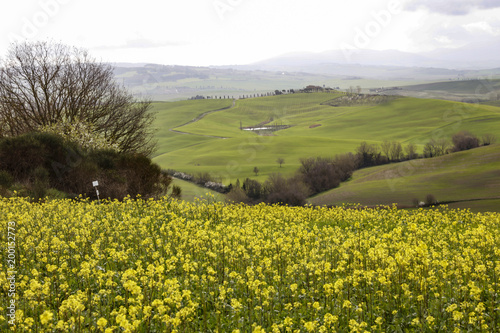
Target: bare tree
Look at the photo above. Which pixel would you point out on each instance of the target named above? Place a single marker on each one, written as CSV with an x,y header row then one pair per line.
x,y
411,151
488,139
280,161
45,83
386,149
442,146
396,151
437,147
256,171
368,154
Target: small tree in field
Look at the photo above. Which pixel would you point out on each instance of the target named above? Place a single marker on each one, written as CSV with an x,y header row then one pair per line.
x,y
256,171
411,151
386,149
396,151
280,161
488,139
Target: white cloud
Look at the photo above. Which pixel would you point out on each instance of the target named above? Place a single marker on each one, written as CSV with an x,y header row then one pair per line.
x,y
193,32
482,27
443,40
142,43
455,7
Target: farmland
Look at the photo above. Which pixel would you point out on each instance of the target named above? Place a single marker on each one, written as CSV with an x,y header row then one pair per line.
x,y
464,179
316,129
172,266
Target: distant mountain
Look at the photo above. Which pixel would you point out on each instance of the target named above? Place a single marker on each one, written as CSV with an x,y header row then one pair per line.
x,y
347,57
388,64
478,55
367,68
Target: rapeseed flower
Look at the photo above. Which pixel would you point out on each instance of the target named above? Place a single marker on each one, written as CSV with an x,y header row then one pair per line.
x,y
142,265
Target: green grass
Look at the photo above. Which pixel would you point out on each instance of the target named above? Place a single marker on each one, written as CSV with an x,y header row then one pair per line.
x,y
191,192
171,83
463,177
342,129
459,87
467,90
170,115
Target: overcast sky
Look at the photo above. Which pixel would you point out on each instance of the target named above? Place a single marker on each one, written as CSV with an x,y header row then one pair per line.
x,y
223,32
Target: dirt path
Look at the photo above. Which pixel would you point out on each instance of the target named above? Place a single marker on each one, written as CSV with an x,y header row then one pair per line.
x,y
201,116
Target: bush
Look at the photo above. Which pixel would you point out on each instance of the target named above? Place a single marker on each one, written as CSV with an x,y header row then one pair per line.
x,y
345,165
40,183
283,191
368,155
176,192
202,177
21,155
253,189
6,179
140,173
42,161
237,195
415,202
488,139
52,193
430,200
464,141
319,174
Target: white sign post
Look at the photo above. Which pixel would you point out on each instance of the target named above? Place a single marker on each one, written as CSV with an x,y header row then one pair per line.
x,y
95,183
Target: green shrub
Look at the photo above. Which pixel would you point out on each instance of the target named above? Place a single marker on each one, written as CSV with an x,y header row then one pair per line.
x,y
53,193
430,200
41,161
40,183
21,155
6,179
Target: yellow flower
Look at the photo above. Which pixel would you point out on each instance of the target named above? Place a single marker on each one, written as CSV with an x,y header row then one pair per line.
x,y
457,315
310,326
101,323
451,308
316,306
46,317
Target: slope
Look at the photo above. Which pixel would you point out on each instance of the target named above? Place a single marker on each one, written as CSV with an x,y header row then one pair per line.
x,y
465,179
316,129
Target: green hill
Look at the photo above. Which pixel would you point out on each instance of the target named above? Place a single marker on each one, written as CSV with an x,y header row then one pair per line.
x,y
486,90
465,179
316,129
192,192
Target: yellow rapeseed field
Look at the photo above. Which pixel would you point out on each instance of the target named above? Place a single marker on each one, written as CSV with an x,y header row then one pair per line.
x,y
172,266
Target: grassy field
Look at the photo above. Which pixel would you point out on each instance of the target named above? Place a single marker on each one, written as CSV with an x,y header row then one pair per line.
x,y
170,115
192,192
480,90
174,83
469,179
316,130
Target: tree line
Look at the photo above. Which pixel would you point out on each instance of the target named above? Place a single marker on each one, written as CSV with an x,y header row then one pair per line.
x,y
319,174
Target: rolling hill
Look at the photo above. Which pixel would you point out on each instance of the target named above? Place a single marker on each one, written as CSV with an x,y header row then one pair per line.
x,y
315,129
162,83
485,90
465,179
